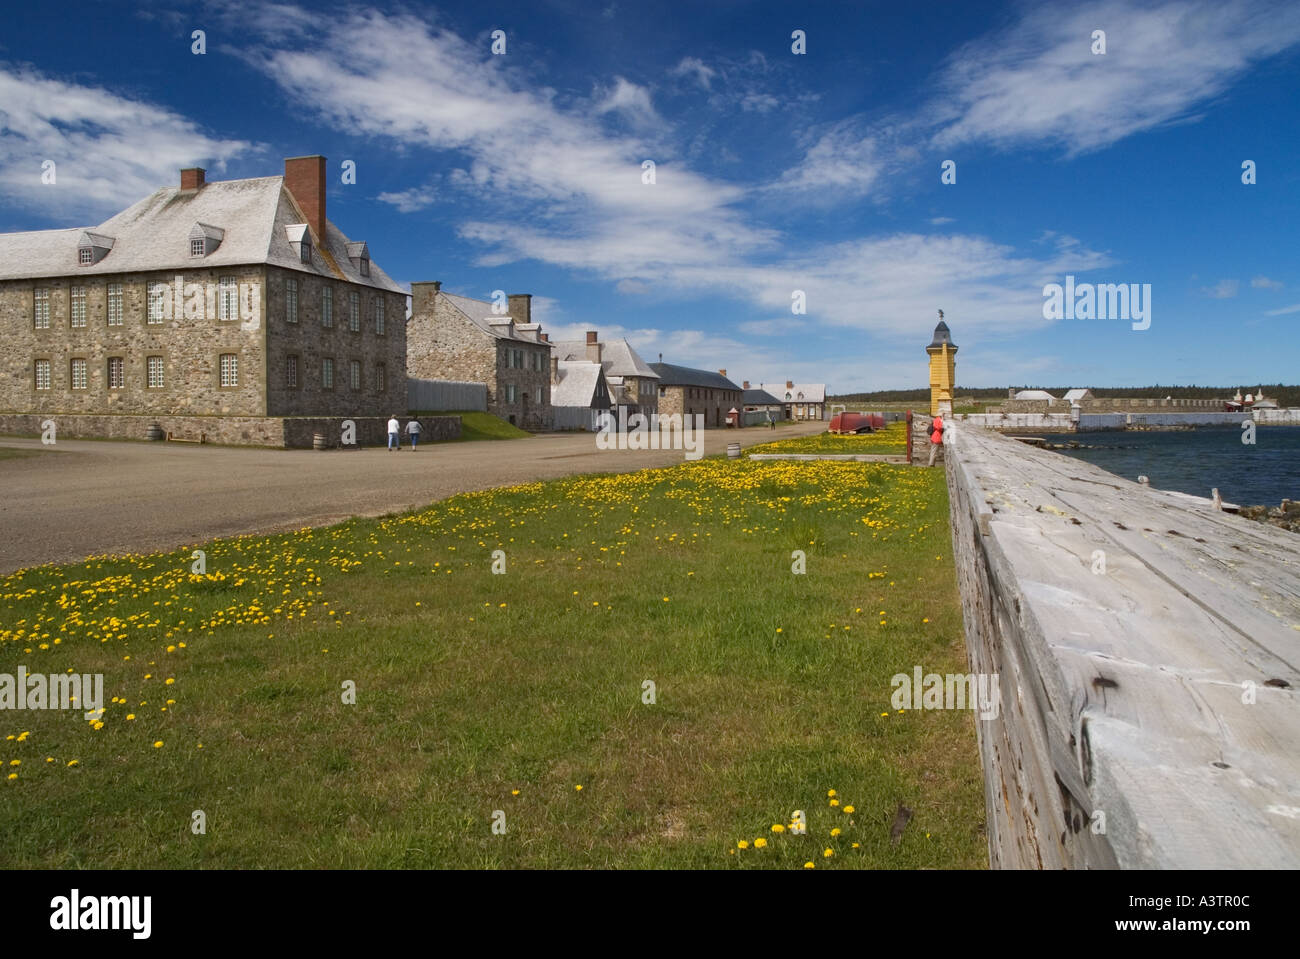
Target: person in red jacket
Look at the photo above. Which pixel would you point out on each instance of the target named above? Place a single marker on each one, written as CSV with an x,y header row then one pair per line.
x,y
936,437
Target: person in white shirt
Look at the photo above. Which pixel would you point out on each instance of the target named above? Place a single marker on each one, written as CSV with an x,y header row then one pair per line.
x,y
394,434
413,429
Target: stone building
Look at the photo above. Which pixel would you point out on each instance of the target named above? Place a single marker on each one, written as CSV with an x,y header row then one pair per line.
x,y
803,401
688,391
632,383
451,337
209,308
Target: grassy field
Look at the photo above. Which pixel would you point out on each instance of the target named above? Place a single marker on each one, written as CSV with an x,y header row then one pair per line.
x,y
892,439
480,426
517,697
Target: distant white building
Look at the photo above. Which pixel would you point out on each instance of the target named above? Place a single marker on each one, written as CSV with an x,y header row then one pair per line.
x,y
802,401
1077,396
1035,395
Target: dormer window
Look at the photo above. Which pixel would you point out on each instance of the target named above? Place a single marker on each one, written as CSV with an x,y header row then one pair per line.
x,y
205,239
359,254
93,247
300,239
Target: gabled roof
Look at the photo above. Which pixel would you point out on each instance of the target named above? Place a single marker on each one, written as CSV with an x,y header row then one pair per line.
x,y
1079,394
670,375
799,392
617,356
760,398
498,325
1034,395
578,383
153,235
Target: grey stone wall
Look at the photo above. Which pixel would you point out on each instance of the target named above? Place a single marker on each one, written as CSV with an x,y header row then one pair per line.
x,y
296,432
714,404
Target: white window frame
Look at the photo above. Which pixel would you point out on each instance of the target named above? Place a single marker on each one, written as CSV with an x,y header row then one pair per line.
x,y
354,311
154,364
84,369
379,316
85,256
158,293
229,369
117,382
47,368
291,300
77,308
113,304
327,307
227,298
198,247
41,307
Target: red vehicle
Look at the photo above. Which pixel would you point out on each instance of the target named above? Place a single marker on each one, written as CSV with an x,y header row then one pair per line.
x,y
856,423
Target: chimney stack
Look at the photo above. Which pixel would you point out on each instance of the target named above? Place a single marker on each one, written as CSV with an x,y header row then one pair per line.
x,y
555,369
304,178
746,385
789,384
546,337
722,372
192,178
422,297
594,347
521,308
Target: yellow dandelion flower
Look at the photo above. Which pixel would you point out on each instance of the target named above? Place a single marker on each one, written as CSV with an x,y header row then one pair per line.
x,y
158,744
848,809
828,852
835,802
577,788
830,793
742,845
809,865
835,831
777,827
760,843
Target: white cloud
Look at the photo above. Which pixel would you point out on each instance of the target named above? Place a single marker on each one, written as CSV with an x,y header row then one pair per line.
x,y
629,99
1294,308
1039,83
1223,290
1264,283
941,220
109,150
694,66
409,201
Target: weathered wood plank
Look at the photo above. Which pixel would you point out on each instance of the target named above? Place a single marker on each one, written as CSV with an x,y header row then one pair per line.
x,y
1122,684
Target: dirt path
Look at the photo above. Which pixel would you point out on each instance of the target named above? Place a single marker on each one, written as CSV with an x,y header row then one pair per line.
x,y
85,497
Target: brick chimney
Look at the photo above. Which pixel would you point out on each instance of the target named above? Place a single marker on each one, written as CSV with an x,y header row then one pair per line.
x,y
594,347
545,337
422,297
192,178
746,385
520,307
789,384
722,372
304,178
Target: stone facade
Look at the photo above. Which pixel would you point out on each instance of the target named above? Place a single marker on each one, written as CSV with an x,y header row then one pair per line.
x,y
714,404
294,431
259,336
445,343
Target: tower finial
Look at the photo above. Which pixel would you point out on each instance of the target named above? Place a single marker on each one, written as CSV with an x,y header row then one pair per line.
x,y
941,315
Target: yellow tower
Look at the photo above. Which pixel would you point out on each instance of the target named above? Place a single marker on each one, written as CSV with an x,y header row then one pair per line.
x,y
943,367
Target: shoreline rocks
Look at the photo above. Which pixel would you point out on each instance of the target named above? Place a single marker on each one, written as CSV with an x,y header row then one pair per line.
x,y
1285,516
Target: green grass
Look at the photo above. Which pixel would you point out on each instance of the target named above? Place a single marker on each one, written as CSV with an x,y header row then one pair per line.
x,y
771,688
15,453
475,425
891,440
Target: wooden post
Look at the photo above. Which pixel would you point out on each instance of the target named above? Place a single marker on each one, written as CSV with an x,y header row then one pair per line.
x,y
909,437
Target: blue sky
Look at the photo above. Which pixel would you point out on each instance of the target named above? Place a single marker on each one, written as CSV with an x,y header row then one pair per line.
x,y
775,172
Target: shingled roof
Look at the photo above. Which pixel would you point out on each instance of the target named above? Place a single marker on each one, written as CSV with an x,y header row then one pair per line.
x,y
499,325
670,375
250,219
617,357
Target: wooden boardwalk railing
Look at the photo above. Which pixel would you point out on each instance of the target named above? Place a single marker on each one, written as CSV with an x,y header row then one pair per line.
x,y
1148,650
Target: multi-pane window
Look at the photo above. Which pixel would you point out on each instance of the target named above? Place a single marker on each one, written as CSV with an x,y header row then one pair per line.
x,y
78,371
116,373
327,373
510,392
379,316
85,256
227,299
291,371
153,366
327,307
78,312
114,304
354,374
305,253
42,374
365,266
198,247
291,300
229,369
381,378
41,307
158,296
354,312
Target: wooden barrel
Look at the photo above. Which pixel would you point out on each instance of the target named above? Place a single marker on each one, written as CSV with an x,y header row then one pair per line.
x,y
733,451
318,441
155,432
